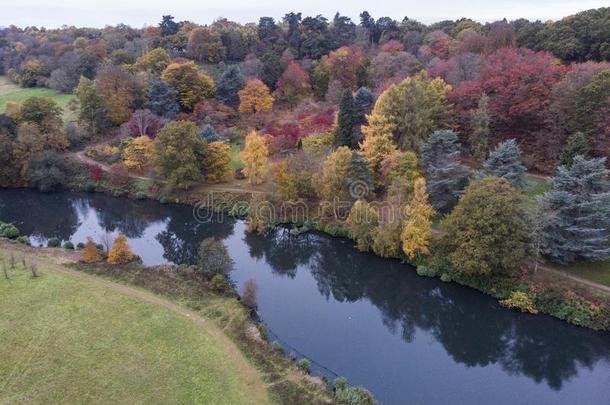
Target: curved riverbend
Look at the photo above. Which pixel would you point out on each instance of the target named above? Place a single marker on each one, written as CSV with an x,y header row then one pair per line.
x,y
408,339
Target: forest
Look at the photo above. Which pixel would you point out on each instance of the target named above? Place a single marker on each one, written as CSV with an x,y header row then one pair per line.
x,y
466,148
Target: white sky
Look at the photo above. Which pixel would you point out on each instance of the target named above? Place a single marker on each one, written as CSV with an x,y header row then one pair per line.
x,y
97,13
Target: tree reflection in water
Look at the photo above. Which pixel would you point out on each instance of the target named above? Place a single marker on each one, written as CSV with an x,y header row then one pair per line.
x,y
473,329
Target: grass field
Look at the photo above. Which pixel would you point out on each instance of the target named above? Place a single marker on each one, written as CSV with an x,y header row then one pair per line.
x,y
10,92
235,160
598,272
65,339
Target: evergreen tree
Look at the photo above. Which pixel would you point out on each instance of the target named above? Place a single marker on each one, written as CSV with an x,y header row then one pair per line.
x,y
445,176
505,162
576,145
363,103
162,99
272,69
480,130
120,252
346,120
580,201
208,133
229,84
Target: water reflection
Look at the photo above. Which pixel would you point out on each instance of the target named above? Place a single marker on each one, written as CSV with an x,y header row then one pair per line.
x,y
314,275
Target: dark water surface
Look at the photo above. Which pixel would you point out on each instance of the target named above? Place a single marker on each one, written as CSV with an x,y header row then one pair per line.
x,y
409,339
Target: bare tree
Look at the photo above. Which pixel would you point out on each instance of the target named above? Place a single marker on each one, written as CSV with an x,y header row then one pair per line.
x,y
106,241
248,293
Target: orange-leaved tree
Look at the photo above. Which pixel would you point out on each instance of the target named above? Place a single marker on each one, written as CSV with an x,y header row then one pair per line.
x,y
91,253
120,252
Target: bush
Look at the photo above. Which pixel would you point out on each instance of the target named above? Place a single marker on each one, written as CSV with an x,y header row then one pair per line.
x,y
446,277
304,364
520,300
275,345
248,294
354,396
53,243
68,245
218,282
9,231
80,245
426,271
140,195
23,240
89,187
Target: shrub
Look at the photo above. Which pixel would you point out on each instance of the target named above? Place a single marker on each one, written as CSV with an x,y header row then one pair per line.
x,y
53,243
426,271
80,245
445,277
9,231
140,195
520,300
68,245
91,252
89,187
214,257
304,364
23,240
354,396
276,346
218,282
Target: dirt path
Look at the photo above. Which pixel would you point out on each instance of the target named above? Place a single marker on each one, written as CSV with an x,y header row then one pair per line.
x,y
252,378
574,278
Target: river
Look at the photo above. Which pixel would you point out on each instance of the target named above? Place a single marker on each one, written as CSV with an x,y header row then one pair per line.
x,y
408,339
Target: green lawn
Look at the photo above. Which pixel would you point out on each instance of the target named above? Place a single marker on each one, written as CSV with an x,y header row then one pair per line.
x,y
66,340
10,92
235,160
598,272
535,186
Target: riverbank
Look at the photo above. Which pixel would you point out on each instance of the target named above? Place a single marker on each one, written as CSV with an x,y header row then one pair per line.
x,y
265,372
534,291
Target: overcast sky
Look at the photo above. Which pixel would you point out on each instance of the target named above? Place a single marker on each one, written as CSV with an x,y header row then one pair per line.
x,y
97,13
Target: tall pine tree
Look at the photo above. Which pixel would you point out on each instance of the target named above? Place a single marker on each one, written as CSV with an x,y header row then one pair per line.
x,y
505,161
576,145
479,124
345,121
445,176
580,201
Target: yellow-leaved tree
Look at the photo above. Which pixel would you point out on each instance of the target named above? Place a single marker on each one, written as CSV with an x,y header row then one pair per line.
x,y
138,154
217,162
255,97
374,149
120,252
254,157
417,228
91,253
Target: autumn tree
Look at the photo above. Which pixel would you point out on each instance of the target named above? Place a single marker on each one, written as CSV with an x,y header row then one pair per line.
x,y
293,85
260,215
344,64
92,114
255,98
479,130
120,252
137,155
118,92
285,181
417,227
361,222
254,156
411,110
154,61
593,113
487,231
205,45
191,85
344,176
177,153
91,253
217,162
375,149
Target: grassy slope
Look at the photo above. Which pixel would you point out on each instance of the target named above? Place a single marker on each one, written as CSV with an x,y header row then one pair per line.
x,y
10,92
598,272
66,340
